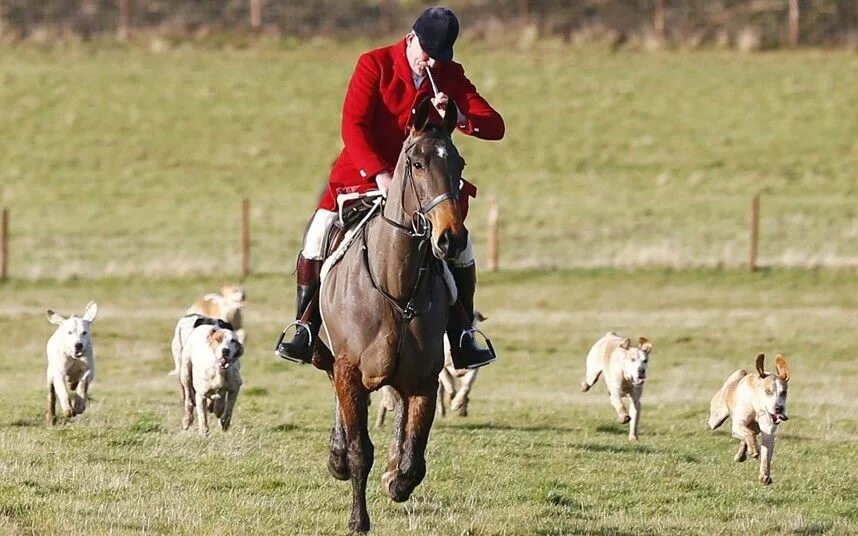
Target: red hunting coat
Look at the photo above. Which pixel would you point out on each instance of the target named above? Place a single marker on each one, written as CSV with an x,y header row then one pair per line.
x,y
377,111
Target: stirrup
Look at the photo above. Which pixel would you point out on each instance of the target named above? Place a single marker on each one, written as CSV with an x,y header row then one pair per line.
x,y
491,349
284,355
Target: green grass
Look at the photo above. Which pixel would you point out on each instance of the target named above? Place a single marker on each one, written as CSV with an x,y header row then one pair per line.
x,y
124,170
536,456
129,162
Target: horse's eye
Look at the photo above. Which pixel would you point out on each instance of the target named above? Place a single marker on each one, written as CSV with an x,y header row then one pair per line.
x,y
418,165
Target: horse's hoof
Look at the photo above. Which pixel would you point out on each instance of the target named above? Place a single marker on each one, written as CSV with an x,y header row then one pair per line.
x,y
389,482
359,523
338,469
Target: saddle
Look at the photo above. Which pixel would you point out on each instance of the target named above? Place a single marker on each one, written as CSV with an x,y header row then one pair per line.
x,y
352,209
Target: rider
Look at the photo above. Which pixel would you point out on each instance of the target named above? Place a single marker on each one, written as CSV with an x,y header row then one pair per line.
x,y
386,85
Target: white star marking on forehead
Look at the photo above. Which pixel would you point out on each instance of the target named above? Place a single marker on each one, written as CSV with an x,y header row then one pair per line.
x,y
442,151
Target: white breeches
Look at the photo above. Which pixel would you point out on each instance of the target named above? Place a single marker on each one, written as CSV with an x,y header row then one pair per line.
x,y
317,236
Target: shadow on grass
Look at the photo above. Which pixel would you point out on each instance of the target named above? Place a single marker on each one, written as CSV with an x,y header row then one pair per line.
x,y
614,449
26,423
507,427
285,427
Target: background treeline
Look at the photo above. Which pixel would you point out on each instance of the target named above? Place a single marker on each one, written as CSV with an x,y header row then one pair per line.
x,y
647,23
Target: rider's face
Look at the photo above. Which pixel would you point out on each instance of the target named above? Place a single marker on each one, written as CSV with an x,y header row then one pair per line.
x,y
417,58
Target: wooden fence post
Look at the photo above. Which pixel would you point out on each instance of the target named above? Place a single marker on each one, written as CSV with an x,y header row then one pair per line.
x,y
124,19
255,14
492,235
755,232
658,20
523,9
793,22
4,245
245,237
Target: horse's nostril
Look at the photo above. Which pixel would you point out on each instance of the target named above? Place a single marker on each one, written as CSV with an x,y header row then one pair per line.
x,y
445,241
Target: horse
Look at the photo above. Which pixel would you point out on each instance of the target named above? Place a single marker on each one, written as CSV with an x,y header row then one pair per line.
x,y
384,307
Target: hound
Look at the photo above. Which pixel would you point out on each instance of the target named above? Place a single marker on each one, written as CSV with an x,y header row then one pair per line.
x,y
227,306
184,327
210,376
757,404
71,365
625,372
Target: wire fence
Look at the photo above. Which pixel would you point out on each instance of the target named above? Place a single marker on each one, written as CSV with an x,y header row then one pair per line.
x,y
743,23
255,236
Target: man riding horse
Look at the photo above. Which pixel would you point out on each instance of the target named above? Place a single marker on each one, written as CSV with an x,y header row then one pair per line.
x,y
383,91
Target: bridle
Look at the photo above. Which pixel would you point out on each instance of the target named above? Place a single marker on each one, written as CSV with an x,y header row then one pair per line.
x,y
420,227
420,230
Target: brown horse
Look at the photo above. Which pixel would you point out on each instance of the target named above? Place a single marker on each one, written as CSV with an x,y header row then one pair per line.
x,y
385,307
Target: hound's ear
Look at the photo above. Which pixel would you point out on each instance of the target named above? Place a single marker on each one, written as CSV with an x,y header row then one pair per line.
x,y
451,115
625,344
782,367
90,312
216,336
420,116
54,318
761,362
645,345
240,351
480,316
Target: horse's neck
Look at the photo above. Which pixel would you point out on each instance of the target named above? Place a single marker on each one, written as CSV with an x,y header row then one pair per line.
x,y
393,256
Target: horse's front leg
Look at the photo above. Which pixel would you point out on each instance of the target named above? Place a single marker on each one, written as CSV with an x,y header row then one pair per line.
x,y
353,401
338,464
419,412
394,453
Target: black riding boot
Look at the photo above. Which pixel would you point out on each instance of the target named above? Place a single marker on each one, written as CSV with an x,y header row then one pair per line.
x,y
463,349
308,319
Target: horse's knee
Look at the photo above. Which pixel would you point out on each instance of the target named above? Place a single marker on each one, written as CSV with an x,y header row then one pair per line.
x,y
361,455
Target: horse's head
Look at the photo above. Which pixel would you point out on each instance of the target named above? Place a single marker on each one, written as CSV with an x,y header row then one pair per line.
x,y
429,171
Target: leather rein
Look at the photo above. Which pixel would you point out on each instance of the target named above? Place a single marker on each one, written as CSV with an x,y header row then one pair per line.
x,y
419,230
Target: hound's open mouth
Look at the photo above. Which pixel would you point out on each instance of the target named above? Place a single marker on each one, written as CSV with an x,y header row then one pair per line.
x,y
223,363
79,353
777,418
639,381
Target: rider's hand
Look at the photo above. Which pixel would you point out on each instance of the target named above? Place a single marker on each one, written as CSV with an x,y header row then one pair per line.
x,y
383,181
440,104
440,101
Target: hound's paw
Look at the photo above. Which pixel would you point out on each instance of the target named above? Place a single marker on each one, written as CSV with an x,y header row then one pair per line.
x,y
224,424
624,419
764,479
69,413
740,457
633,437
585,386
754,454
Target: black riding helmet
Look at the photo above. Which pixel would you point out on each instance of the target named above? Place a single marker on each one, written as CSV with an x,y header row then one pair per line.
x,y
437,29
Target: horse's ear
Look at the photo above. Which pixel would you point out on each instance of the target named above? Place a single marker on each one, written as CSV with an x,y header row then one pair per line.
x,y
451,115
420,116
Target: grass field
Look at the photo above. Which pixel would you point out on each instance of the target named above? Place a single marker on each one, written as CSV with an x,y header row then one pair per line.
x,y
124,169
128,162
536,456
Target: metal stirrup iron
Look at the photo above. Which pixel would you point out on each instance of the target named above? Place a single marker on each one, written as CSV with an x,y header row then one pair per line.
x,y
288,357
491,348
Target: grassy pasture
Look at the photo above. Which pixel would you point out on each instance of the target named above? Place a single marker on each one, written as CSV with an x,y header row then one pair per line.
x,y
128,162
536,456
124,169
